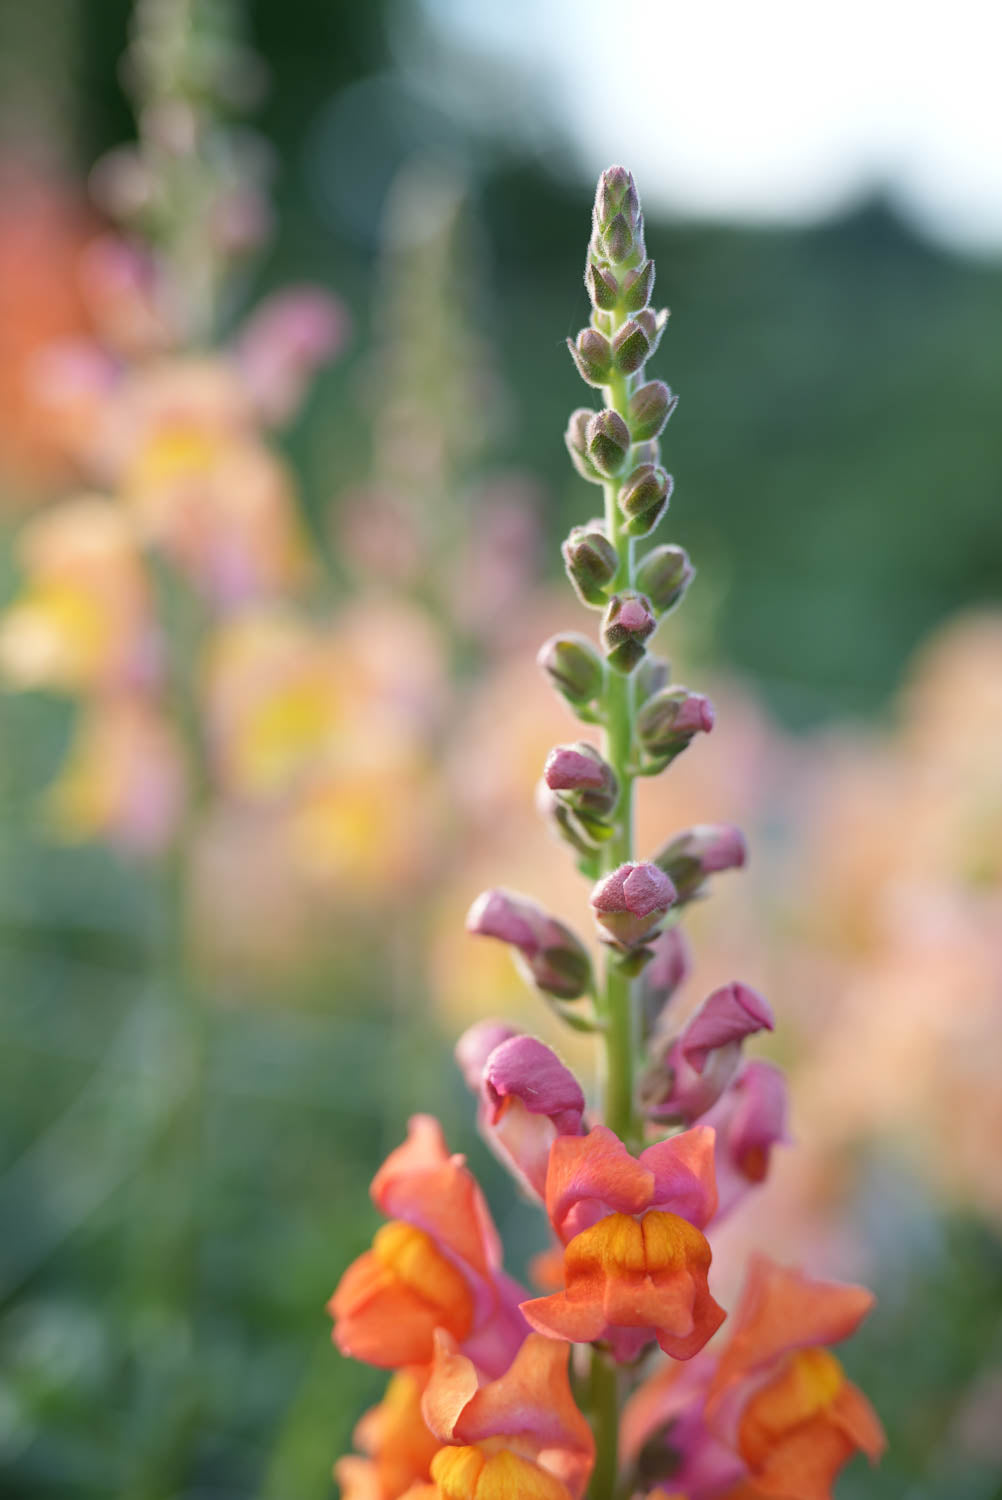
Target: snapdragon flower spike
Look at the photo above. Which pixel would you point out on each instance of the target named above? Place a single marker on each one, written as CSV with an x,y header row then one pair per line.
x,y
748,1119
707,849
631,903
695,1067
546,951
527,1098
436,1264
520,1435
669,721
635,1261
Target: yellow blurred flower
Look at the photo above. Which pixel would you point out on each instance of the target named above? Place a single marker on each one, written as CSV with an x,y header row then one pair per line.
x,y
82,620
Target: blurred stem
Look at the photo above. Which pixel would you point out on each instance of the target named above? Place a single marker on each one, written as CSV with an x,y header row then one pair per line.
x,y
168,1266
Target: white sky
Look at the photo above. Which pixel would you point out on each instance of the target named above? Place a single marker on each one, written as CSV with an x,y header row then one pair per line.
x,y
770,109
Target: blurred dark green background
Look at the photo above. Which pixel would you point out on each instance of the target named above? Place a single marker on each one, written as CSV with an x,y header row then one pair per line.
x,y
837,457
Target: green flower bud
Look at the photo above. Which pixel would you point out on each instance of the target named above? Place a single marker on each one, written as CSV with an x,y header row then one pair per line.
x,y
637,287
664,575
653,325
592,355
574,667
653,674
576,438
631,346
591,562
649,410
644,497
616,192
603,288
608,442
629,622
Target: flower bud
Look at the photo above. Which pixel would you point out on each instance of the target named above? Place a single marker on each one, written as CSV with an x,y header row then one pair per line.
x,y
583,781
644,498
576,438
547,953
668,968
669,720
628,623
653,325
630,903
631,346
573,666
608,442
701,851
618,240
696,1068
637,287
476,1045
591,562
649,410
592,355
749,1119
664,575
603,288
616,192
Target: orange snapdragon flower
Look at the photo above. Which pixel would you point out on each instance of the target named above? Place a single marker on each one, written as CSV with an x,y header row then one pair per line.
x,y
775,1417
520,1435
436,1265
397,1443
635,1260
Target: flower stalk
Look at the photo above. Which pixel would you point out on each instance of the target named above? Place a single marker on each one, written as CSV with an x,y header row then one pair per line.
x,y
631,1258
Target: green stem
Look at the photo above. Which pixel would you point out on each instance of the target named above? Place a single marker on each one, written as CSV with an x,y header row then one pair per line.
x,y
604,1404
615,997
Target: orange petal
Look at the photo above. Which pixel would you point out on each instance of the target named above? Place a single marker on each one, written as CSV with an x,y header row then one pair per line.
x,y
799,1429
395,1436
422,1183
625,1273
780,1310
597,1167
390,1301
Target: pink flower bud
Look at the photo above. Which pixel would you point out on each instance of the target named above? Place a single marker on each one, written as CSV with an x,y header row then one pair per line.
x,y
704,850
525,1069
670,719
630,903
726,1017
629,622
476,1045
584,782
549,954
693,1071
749,1119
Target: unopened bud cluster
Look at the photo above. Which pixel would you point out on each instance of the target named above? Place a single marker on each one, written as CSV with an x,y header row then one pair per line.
x,y
617,447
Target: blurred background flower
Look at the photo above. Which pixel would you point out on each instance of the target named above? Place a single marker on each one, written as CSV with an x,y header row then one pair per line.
x,y
280,470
